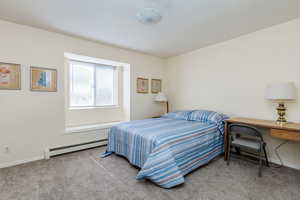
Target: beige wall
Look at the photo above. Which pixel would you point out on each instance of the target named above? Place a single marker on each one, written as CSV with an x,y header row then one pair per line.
x,y
231,77
33,121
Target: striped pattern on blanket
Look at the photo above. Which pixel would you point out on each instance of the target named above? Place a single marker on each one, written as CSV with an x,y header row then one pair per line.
x,y
165,149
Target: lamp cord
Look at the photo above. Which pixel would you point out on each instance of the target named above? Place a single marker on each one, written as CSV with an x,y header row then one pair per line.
x,y
277,153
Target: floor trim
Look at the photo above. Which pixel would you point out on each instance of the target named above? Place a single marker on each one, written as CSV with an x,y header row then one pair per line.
x,y
286,164
273,161
19,162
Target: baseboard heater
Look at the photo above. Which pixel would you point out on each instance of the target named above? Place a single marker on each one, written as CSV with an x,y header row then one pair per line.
x,y
73,148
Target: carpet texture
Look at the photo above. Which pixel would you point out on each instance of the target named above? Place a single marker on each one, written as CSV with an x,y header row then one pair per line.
x,y
85,176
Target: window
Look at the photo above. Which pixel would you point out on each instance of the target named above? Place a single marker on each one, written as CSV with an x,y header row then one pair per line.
x,y
92,85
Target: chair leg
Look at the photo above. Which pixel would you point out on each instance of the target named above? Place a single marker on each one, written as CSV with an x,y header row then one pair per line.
x,y
229,151
238,151
260,162
266,156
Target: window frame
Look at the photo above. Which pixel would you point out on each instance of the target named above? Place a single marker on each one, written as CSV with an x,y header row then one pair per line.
x,y
94,106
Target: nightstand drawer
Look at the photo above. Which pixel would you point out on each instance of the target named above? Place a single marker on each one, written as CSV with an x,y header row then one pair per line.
x,y
285,134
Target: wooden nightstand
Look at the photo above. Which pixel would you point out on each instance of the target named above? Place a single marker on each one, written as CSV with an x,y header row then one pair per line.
x,y
157,116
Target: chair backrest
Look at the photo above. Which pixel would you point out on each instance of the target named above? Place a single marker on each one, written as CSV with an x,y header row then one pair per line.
x,y
244,130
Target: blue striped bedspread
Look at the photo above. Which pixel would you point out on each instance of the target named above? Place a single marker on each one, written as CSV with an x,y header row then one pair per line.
x,y
165,149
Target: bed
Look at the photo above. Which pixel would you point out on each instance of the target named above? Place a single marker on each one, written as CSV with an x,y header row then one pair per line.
x,y
167,148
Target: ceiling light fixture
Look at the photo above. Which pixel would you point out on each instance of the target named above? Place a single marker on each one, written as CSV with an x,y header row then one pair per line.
x,y
149,15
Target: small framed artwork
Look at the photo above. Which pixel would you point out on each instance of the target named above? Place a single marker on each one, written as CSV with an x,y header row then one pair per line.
x,y
142,85
10,76
43,79
155,86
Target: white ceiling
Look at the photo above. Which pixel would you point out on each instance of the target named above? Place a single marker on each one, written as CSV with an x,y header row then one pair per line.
x,y
186,24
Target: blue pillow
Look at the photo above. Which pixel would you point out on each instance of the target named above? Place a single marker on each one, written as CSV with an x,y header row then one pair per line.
x,y
211,117
207,116
185,115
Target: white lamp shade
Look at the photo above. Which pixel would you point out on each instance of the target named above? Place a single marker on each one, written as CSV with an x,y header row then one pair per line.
x,y
282,91
161,97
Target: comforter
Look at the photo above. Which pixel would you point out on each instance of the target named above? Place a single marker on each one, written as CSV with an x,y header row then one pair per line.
x,y
165,149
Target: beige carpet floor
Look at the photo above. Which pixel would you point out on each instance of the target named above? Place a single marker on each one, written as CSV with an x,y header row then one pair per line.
x,y
85,176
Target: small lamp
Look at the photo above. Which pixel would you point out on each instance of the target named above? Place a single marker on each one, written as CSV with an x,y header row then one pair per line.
x,y
281,92
161,97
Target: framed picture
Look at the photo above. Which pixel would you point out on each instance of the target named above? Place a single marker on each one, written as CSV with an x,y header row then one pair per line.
x,y
10,76
155,86
142,85
43,79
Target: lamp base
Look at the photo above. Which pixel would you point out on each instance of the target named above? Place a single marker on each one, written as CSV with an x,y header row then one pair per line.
x,y
281,112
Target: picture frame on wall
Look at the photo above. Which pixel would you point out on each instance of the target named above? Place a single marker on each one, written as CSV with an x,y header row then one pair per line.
x,y
43,79
10,76
142,85
155,86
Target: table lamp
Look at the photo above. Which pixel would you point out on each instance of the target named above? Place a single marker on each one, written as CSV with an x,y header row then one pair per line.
x,y
161,97
281,92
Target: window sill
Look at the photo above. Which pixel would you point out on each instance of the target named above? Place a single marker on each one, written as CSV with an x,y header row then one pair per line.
x,y
86,128
94,107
